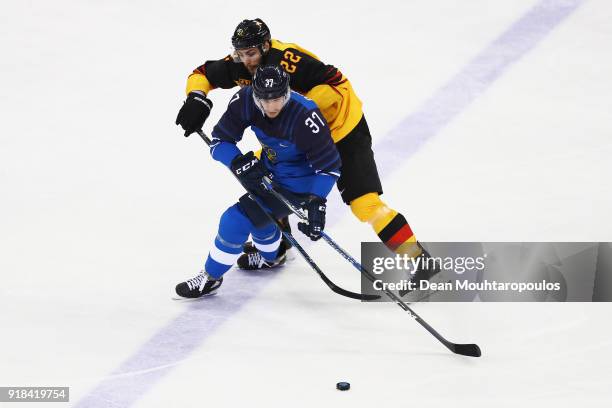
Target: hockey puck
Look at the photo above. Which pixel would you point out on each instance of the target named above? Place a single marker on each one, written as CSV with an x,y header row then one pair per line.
x,y
343,386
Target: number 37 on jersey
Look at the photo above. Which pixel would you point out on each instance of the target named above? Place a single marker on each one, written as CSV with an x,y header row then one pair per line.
x,y
312,124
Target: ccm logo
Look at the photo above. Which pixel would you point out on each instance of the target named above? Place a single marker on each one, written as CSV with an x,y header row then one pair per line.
x,y
246,166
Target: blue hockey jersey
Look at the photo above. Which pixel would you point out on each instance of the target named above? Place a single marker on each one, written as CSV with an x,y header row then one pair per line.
x,y
297,144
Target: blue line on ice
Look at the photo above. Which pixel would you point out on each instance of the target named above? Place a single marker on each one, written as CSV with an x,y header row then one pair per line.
x,y
473,80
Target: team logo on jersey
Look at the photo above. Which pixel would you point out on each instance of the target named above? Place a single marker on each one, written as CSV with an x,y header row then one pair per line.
x,y
243,82
271,153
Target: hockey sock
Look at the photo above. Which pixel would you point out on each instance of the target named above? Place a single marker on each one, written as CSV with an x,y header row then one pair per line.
x,y
267,242
398,236
221,257
390,226
234,229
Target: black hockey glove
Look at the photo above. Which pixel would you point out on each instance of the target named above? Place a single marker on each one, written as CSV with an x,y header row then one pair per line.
x,y
194,112
250,171
316,218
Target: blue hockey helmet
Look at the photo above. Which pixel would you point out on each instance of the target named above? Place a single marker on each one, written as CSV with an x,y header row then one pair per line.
x,y
270,82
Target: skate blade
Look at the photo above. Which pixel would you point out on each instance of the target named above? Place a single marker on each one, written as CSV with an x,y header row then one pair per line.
x,y
181,299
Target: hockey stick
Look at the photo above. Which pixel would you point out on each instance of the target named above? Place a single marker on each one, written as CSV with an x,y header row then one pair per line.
x,y
471,350
335,288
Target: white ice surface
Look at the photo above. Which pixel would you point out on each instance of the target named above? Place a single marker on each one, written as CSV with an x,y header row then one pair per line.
x,y
104,205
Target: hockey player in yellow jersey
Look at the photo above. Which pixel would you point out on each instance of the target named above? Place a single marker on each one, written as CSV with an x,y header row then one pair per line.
x,y
359,184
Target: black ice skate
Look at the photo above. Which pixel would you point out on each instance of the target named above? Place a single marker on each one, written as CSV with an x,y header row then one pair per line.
x,y
253,260
426,270
201,285
249,248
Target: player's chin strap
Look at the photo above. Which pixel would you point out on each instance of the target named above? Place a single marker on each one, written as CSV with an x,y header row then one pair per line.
x,y
307,258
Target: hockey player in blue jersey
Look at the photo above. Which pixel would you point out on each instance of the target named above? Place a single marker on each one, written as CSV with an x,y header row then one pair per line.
x,y
300,157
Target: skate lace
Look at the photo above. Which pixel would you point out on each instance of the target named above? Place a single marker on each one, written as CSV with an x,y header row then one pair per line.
x,y
197,282
255,259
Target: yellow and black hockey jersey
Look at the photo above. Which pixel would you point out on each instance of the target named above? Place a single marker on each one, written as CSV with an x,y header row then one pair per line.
x,y
322,83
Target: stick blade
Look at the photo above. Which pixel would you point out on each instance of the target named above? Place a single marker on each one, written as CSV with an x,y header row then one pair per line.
x,y
470,350
364,297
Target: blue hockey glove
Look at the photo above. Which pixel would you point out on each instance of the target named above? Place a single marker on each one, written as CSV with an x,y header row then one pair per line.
x,y
315,207
250,171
